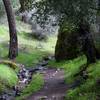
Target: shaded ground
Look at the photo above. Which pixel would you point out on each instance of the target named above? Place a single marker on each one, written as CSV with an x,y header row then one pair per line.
x,y
54,88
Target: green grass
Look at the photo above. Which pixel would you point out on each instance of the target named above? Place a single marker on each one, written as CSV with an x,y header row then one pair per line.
x,y
8,77
88,90
70,67
31,52
35,85
3,51
29,49
30,59
3,33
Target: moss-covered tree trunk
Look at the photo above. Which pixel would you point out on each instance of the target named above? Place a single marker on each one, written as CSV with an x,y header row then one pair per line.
x,y
66,46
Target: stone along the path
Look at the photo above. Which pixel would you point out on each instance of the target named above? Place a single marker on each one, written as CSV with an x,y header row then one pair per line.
x,y
54,87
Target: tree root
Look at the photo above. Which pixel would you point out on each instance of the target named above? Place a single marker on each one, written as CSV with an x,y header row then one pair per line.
x,y
10,63
82,72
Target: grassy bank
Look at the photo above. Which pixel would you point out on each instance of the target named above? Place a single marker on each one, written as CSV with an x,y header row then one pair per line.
x,y
89,89
35,85
30,50
8,77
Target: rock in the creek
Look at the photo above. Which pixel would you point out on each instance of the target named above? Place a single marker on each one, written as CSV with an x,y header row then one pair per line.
x,y
10,92
17,91
27,73
24,81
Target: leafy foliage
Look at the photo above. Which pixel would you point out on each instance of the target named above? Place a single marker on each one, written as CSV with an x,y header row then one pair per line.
x,y
66,10
26,4
15,3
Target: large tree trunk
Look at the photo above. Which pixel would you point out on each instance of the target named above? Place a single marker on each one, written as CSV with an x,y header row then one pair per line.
x,y
89,50
88,46
13,47
67,45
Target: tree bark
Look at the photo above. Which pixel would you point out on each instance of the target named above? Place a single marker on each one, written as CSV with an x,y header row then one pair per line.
x,y
88,46
66,46
13,46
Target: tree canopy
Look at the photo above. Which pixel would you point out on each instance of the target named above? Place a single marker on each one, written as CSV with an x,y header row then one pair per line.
x,y
67,10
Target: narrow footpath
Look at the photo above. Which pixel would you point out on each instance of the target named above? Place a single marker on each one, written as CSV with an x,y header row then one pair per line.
x,y
54,87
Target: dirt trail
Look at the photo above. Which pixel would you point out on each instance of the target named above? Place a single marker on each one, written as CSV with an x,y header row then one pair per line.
x,y
54,87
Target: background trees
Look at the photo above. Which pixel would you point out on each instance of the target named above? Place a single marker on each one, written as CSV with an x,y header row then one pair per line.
x,y
24,8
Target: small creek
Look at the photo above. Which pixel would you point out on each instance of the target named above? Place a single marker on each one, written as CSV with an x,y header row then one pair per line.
x,y
25,76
